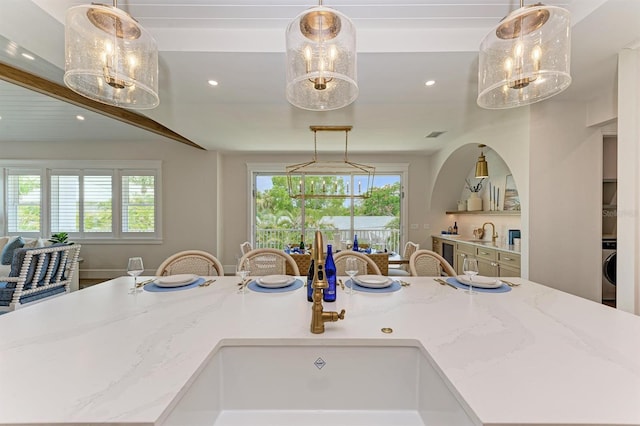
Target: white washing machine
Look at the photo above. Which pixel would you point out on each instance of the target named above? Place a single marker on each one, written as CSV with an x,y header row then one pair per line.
x,y
609,270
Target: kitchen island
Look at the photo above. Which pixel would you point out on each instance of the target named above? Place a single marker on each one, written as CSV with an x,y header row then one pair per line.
x,y
533,355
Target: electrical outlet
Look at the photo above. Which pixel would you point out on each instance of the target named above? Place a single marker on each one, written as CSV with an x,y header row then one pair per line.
x,y
414,226
426,226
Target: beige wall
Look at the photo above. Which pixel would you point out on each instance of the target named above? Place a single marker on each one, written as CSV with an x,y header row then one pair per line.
x,y
566,199
189,198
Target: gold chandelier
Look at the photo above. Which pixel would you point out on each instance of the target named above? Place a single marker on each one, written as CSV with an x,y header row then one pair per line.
x,y
309,180
110,58
525,58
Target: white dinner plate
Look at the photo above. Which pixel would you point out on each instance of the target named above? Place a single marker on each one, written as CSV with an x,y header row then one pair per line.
x,y
275,281
177,280
480,281
373,281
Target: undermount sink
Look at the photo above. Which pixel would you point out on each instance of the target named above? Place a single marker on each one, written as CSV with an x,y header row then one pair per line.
x,y
317,384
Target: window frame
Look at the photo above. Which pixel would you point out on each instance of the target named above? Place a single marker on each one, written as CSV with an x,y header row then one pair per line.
x,y
255,169
115,169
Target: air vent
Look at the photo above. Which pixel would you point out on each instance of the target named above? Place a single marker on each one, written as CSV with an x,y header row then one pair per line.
x,y
435,134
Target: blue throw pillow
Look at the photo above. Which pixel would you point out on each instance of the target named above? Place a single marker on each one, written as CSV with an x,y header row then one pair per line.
x,y
7,252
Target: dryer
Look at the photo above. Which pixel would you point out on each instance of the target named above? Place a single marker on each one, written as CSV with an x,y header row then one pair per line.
x,y
609,270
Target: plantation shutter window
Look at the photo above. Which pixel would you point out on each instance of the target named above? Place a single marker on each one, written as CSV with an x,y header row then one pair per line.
x,y
24,201
138,202
94,201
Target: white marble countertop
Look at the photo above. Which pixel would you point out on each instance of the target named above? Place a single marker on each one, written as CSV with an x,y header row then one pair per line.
x,y
534,355
479,243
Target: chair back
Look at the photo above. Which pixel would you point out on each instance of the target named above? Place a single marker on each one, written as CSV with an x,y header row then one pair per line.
x,y
191,262
409,248
245,247
270,261
37,274
366,266
427,263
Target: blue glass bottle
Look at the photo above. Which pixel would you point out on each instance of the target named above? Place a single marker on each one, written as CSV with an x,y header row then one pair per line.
x,y
310,280
330,272
355,242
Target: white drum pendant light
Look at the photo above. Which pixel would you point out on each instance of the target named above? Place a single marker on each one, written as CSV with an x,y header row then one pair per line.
x,y
110,58
321,60
526,58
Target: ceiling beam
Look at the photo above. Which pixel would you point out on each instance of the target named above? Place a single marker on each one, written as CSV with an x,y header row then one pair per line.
x,y
46,87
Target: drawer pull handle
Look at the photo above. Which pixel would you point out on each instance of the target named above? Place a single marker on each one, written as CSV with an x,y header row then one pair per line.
x,y
494,264
483,252
507,259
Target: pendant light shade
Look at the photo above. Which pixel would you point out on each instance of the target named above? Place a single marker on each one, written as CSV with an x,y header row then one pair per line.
x,y
482,168
321,60
110,58
526,58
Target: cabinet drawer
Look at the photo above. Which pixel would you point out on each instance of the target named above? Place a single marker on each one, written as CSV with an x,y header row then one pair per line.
x,y
485,253
466,248
510,259
437,245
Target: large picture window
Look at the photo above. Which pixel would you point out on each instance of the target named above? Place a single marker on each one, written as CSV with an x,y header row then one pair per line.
x,y
102,201
279,220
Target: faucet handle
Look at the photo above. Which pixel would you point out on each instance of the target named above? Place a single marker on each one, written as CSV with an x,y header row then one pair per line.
x,y
341,314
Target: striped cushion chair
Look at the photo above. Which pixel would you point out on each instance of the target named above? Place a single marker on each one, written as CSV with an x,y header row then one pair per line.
x,y
37,274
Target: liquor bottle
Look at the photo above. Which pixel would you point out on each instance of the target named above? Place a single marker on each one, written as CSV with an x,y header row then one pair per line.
x,y
330,272
301,246
355,242
455,227
310,280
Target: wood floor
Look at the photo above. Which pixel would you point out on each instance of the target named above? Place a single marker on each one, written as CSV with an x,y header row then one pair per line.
x,y
84,283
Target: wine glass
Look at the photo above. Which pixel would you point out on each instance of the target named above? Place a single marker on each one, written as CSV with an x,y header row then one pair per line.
x,y
351,269
135,268
242,270
470,269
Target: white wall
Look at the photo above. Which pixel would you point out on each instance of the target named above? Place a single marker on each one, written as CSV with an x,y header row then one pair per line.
x,y
628,268
565,218
189,198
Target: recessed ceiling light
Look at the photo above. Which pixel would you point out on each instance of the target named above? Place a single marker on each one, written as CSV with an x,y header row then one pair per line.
x,y
80,117
430,83
212,82
29,57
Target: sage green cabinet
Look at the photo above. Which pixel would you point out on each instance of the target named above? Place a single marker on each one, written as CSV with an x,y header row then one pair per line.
x,y
462,250
492,262
487,265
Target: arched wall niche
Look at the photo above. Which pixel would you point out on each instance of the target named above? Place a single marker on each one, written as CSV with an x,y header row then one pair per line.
x,y
449,188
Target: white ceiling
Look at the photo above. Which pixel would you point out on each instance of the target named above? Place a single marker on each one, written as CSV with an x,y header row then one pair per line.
x,y
240,43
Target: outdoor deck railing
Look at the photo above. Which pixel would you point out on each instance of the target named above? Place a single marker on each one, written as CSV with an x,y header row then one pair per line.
x,y
378,238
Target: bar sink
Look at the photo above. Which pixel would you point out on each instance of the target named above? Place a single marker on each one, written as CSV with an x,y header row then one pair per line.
x,y
307,383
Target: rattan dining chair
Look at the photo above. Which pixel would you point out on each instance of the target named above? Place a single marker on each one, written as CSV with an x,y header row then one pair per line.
x,y
191,262
269,261
427,263
366,266
409,248
245,247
